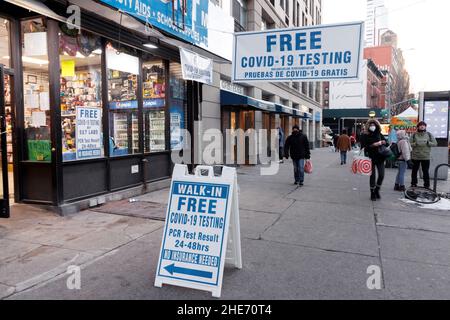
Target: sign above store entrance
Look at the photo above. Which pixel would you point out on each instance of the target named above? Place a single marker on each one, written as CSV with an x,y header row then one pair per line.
x,y
199,22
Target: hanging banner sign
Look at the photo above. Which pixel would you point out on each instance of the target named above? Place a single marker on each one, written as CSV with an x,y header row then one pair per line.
x,y
88,132
195,67
200,212
319,53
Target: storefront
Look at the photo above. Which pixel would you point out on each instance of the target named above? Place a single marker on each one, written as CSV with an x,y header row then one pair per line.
x,y
86,113
238,112
352,120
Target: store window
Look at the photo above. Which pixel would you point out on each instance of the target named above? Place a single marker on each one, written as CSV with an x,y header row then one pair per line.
x,y
154,86
178,107
81,96
123,72
36,91
4,43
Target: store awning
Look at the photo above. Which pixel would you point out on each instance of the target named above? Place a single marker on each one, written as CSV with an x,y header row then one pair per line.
x,y
138,26
228,98
38,7
351,113
284,109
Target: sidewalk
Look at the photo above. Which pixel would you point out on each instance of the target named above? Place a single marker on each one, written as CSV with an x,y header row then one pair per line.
x,y
314,242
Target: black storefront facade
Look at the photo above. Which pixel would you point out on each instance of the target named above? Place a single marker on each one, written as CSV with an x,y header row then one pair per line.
x,y
55,80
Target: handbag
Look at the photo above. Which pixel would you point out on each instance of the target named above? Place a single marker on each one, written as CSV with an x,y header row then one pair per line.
x,y
385,151
362,165
308,167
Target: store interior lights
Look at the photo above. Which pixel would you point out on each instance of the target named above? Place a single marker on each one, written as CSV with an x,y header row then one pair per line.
x,y
150,45
31,60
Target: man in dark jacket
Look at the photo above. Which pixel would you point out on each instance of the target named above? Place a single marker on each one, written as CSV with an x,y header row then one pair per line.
x,y
297,147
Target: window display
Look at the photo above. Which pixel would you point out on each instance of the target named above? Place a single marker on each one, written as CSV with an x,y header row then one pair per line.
x,y
178,105
154,86
81,99
123,105
36,91
4,44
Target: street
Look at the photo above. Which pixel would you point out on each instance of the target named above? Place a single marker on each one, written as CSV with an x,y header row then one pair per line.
x,y
313,242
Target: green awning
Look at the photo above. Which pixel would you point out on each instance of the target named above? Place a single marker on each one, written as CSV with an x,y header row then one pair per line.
x,y
351,113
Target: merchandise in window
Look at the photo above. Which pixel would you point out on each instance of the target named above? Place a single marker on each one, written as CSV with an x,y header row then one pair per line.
x,y
123,72
81,99
178,106
154,86
36,91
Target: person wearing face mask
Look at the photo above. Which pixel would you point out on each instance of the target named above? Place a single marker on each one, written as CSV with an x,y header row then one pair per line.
x,y
421,143
370,142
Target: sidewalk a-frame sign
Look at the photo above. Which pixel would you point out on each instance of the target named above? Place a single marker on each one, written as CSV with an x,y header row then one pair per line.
x,y
201,231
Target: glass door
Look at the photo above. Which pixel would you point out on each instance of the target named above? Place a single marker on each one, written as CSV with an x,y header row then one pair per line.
x,y
4,189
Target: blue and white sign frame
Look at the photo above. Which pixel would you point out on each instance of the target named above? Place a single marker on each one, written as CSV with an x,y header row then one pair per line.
x,y
200,213
316,53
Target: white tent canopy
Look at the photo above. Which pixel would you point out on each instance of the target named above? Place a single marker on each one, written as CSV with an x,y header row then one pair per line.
x,y
409,113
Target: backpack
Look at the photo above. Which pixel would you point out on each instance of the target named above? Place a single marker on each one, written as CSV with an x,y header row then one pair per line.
x,y
395,150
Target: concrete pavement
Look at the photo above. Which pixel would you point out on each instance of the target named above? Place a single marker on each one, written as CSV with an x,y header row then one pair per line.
x,y
314,242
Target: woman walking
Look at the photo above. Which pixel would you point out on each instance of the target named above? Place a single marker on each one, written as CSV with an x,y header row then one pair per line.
x,y
371,142
404,158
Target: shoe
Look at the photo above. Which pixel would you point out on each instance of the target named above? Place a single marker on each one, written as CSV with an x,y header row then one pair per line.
x,y
377,193
373,196
295,183
402,188
397,187
301,184
414,186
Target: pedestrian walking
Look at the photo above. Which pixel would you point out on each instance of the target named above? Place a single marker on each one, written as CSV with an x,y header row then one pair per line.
x,y
281,138
335,140
372,141
421,143
344,145
297,147
403,158
353,140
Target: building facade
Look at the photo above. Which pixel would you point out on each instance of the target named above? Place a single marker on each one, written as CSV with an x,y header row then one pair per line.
x,y
305,97
390,60
377,21
95,113
366,92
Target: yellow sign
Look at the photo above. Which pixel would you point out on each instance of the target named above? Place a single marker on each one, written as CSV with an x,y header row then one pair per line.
x,y
68,68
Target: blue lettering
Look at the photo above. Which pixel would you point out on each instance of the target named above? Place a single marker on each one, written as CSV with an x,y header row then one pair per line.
x,y
316,40
212,209
285,42
271,41
202,206
244,62
347,57
317,58
181,202
300,38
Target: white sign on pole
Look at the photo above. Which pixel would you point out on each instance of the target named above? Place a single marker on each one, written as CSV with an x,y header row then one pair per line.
x,y
88,132
200,212
317,53
196,67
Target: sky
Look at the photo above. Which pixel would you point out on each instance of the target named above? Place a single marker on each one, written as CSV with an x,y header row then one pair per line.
x,y
423,29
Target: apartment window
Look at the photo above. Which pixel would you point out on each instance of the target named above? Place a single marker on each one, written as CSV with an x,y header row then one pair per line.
x,y
240,13
311,90
304,88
